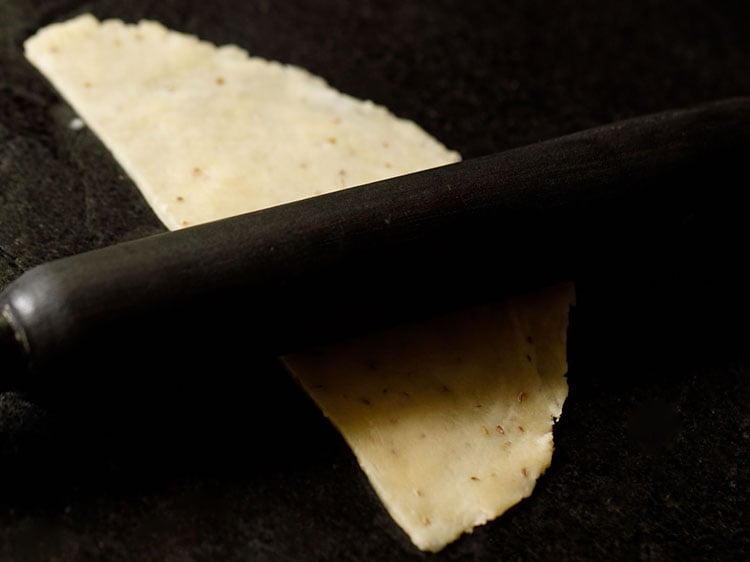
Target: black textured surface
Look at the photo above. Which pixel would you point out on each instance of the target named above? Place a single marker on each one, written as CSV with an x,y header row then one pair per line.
x,y
651,455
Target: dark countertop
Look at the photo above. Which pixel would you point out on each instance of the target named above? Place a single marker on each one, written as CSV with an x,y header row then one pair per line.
x,y
653,449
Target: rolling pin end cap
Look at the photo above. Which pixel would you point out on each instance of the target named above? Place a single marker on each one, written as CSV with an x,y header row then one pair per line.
x,y
13,358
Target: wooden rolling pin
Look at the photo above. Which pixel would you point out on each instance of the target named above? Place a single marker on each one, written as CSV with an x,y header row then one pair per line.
x,y
322,268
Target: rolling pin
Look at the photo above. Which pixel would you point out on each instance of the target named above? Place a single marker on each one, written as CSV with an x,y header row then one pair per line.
x,y
327,267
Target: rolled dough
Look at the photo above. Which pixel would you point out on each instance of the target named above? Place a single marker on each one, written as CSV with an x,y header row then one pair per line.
x,y
451,419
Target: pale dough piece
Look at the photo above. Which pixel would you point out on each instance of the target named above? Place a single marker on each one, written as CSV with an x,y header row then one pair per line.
x,y
451,419
210,132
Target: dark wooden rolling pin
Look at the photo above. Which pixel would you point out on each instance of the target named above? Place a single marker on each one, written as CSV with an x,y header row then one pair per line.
x,y
329,266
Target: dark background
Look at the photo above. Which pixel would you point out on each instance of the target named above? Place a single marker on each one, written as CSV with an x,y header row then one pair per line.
x,y
652,451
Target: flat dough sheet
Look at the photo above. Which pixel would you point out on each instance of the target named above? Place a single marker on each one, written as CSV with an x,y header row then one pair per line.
x,y
451,419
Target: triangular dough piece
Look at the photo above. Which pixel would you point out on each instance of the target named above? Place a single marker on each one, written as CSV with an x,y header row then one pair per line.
x,y
452,419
